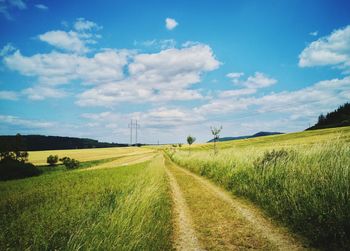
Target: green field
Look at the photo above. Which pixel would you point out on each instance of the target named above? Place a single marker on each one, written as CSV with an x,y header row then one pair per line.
x,y
300,179
138,199
106,209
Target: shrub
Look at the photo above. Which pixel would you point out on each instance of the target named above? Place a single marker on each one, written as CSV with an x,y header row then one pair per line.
x,y
15,169
70,163
52,160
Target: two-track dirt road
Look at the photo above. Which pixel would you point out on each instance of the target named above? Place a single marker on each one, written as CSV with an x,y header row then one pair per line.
x,y
208,218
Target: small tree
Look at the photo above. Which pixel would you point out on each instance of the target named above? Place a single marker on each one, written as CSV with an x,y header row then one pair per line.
x,y
52,160
215,131
70,163
190,141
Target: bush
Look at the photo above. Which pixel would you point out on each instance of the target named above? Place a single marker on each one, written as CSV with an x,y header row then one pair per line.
x,y
14,169
52,160
70,163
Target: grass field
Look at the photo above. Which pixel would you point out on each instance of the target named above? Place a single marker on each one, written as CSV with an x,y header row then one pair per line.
x,y
107,209
124,198
301,179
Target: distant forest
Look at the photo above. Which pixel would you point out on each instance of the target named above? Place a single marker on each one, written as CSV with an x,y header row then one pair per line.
x,y
40,142
339,117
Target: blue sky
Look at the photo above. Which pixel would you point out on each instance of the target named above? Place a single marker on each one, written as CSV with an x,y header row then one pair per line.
x,y
70,68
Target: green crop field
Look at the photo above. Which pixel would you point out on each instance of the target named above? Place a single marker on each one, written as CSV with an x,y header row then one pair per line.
x,y
279,192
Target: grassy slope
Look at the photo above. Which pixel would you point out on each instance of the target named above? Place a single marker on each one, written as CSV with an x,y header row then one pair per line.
x,y
112,209
308,189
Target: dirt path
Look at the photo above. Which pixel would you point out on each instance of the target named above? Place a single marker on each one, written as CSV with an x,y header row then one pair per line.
x,y
184,234
219,220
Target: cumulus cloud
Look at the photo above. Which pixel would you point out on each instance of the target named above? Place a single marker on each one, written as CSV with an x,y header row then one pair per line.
x,y
9,95
60,68
41,7
170,23
306,102
156,77
69,41
74,40
333,49
259,80
82,24
313,33
250,85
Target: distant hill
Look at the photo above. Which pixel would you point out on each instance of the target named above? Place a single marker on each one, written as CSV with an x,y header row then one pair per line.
x,y
40,142
338,118
259,134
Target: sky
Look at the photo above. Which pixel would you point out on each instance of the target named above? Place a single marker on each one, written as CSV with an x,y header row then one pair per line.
x,y
86,68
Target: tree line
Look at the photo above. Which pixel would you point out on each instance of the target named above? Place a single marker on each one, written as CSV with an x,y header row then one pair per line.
x,y
337,118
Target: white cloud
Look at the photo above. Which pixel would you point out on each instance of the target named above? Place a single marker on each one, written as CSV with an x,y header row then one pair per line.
x,y
234,75
157,43
313,33
13,120
306,102
43,92
74,40
82,24
69,41
157,77
259,80
8,95
41,7
237,92
60,68
162,117
7,49
330,50
170,23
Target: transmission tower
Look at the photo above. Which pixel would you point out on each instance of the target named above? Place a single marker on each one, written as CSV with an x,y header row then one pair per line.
x,y
133,125
130,126
137,126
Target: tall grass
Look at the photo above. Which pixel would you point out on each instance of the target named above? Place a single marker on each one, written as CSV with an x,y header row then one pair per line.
x,y
124,208
307,187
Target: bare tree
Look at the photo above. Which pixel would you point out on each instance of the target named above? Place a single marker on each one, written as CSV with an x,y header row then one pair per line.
x,y
215,131
190,141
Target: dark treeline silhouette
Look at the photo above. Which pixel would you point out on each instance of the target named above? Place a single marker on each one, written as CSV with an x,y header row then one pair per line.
x,y
40,142
339,117
13,160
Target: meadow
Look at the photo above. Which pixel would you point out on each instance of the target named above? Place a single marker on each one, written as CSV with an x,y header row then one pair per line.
x,y
125,208
122,199
301,180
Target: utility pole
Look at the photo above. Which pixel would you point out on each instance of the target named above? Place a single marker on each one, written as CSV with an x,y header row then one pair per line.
x,y
137,126
130,126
